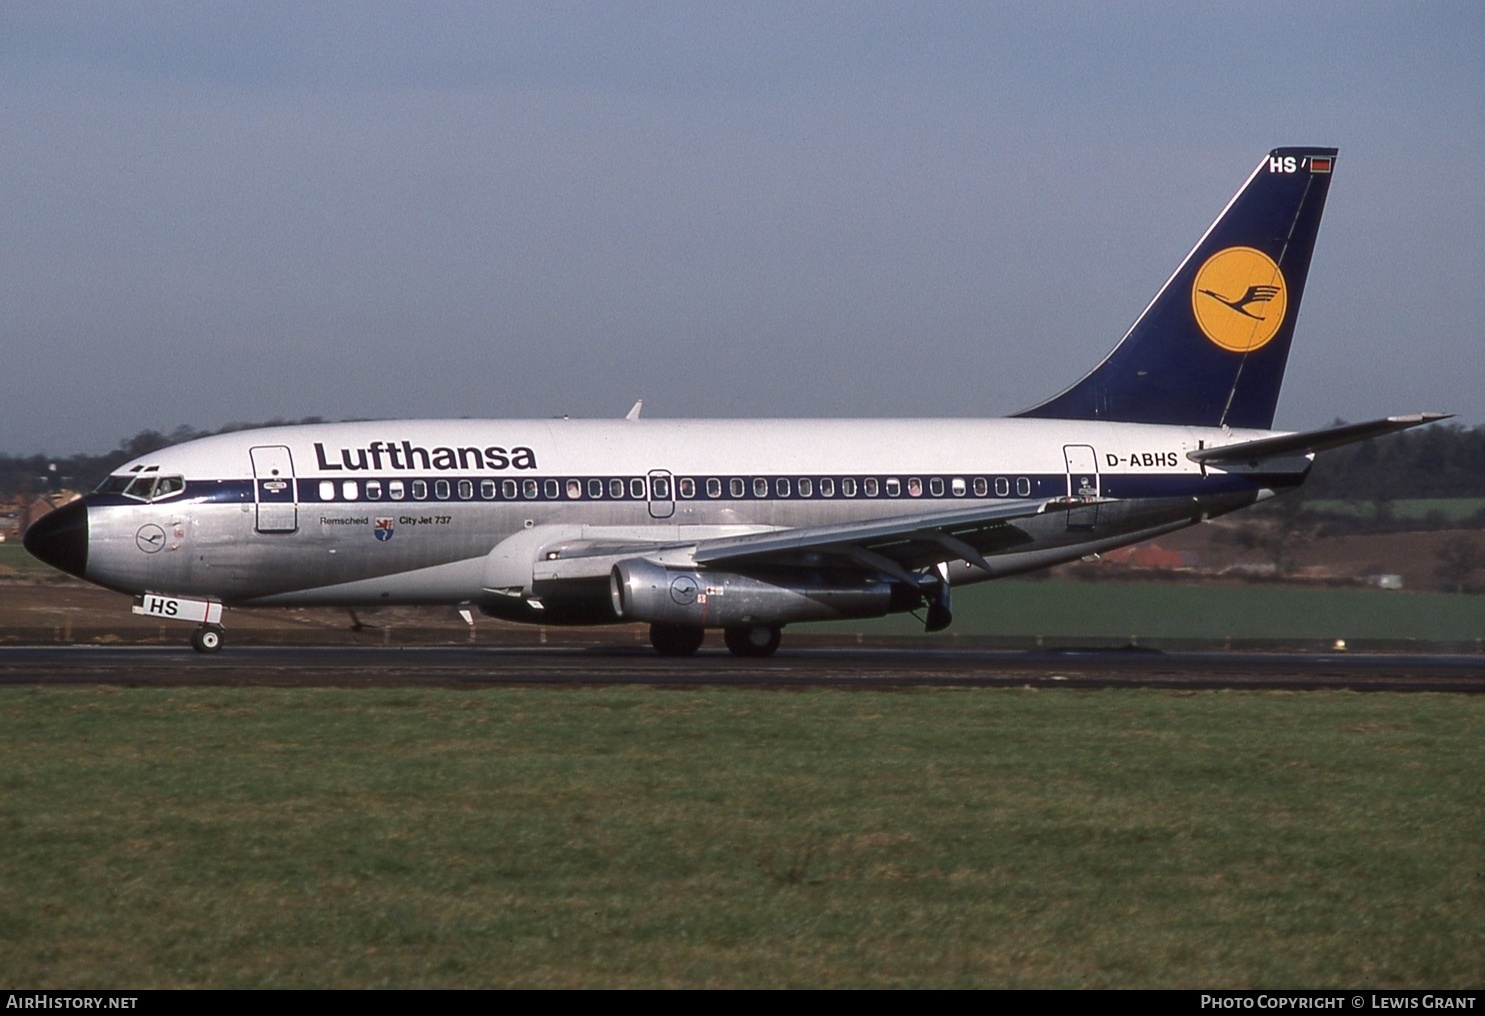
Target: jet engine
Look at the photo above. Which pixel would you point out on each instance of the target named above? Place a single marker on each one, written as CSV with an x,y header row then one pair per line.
x,y
643,590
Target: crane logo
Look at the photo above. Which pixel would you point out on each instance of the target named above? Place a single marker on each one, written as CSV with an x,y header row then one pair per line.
x,y
1239,299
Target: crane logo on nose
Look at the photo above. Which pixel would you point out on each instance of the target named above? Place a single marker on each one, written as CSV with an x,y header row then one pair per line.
x,y
150,538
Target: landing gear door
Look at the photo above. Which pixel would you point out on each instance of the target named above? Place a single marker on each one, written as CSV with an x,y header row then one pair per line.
x,y
273,476
662,494
1082,485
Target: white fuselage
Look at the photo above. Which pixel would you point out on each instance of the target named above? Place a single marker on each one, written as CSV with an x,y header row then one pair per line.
x,y
462,511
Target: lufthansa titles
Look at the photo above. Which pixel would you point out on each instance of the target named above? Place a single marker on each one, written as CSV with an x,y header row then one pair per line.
x,y
381,455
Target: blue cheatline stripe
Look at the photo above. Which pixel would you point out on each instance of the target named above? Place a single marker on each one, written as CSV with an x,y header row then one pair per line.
x,y
775,487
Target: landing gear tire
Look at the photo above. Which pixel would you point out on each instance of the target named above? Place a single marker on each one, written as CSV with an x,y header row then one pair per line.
x,y
206,639
753,639
676,639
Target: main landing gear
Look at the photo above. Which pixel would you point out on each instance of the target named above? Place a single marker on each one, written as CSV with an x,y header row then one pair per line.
x,y
753,639
676,639
207,638
745,640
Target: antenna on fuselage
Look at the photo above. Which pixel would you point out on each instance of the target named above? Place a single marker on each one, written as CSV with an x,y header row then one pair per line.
x,y
634,411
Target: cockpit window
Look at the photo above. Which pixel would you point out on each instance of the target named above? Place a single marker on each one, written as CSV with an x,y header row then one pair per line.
x,y
113,484
147,487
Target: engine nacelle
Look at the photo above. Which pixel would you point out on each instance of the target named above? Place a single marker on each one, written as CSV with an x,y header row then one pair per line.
x,y
645,591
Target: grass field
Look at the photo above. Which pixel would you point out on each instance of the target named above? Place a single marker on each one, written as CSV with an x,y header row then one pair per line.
x,y
14,561
1153,611
257,837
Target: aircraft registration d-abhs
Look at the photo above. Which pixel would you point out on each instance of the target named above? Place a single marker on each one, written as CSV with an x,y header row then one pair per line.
x,y
742,525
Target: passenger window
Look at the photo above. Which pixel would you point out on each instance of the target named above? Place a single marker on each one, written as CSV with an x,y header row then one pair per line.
x,y
1023,486
373,490
508,489
616,488
441,490
936,486
595,489
869,486
327,490
528,489
487,490
551,488
737,487
466,489
981,486
915,486
637,488
660,488
848,487
958,486
420,490
1002,487
894,486
713,487
781,486
760,486
348,489
395,488
686,486
827,487
574,489
806,487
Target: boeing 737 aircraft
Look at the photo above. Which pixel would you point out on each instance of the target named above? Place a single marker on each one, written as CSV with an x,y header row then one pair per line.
x,y
742,525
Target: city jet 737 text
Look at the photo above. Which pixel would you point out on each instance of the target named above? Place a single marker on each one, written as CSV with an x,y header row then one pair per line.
x,y
742,525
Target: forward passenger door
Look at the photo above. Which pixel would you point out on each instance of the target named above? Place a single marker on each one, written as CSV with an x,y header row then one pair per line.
x,y
273,476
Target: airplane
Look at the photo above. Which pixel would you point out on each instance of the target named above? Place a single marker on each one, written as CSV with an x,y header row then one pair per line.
x,y
741,525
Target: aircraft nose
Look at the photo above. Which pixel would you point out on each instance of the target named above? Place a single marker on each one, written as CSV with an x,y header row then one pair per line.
x,y
60,538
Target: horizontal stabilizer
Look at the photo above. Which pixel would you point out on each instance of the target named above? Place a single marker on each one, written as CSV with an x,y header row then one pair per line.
x,y
1310,441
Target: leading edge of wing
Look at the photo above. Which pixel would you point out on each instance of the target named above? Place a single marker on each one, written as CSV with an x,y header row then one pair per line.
x,y
1311,441
843,537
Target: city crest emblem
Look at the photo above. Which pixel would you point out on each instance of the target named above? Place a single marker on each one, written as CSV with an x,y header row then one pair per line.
x,y
383,529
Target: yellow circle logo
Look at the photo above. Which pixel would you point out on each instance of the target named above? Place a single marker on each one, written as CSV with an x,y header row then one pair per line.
x,y
1239,299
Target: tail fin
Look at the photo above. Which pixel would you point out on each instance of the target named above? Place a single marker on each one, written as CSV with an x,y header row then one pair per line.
x,y
1210,349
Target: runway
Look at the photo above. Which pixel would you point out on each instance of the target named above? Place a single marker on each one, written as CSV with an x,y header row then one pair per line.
x,y
861,669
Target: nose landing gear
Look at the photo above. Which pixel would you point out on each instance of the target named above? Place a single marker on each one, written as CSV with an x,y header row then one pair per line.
x,y
207,638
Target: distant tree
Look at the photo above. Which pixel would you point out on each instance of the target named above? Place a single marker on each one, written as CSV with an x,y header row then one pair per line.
x,y
1277,532
31,474
1459,560
1441,460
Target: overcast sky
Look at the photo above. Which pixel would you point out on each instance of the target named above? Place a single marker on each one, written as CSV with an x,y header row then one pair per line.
x,y
217,212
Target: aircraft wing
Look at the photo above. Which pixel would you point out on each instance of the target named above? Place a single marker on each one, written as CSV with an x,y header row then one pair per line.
x,y
894,545
1310,441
